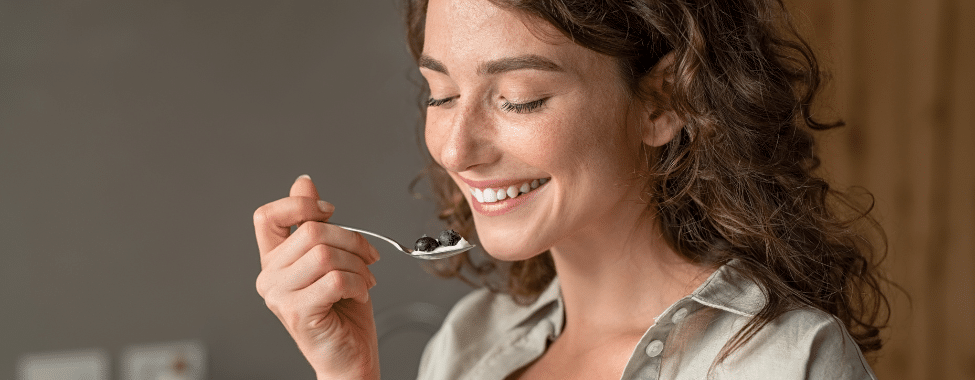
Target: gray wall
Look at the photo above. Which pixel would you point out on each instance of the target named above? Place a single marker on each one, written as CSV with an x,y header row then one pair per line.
x,y
137,138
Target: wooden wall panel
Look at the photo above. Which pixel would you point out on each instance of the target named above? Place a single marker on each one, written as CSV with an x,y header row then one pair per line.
x,y
905,85
959,265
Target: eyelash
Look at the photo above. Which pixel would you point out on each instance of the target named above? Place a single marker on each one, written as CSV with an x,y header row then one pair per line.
x,y
438,102
523,107
507,106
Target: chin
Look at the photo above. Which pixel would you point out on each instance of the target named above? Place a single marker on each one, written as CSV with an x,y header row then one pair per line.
x,y
508,249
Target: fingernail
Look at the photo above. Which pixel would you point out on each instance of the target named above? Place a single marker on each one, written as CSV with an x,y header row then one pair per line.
x,y
306,176
325,206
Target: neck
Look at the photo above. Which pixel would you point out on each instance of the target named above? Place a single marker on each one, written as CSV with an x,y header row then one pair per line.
x,y
617,279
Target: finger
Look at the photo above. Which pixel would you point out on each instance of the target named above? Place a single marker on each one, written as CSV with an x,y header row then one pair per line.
x,y
320,260
334,287
304,187
314,265
309,235
273,221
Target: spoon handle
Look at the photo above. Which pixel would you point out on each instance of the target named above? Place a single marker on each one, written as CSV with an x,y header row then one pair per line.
x,y
370,233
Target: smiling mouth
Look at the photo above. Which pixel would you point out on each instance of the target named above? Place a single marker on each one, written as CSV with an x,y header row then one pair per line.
x,y
492,195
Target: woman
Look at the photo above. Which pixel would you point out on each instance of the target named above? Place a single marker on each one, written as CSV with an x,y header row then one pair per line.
x,y
639,173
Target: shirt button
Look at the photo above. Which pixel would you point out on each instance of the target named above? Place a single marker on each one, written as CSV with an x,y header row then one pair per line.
x,y
679,315
655,348
549,328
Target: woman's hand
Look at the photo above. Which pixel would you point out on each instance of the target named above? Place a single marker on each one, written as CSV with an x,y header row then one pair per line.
x,y
317,282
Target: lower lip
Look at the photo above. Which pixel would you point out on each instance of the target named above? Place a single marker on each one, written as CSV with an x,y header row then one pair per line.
x,y
505,206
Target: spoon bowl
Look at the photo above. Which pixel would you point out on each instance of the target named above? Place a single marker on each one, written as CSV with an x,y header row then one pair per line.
x,y
408,251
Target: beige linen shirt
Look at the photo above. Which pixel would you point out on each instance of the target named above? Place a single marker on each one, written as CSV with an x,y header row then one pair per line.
x,y
487,336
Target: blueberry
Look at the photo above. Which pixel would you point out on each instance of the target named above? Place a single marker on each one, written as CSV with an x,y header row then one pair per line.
x,y
426,244
448,237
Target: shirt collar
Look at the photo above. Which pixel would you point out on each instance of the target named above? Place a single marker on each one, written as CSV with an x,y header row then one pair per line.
x,y
729,290
548,305
726,289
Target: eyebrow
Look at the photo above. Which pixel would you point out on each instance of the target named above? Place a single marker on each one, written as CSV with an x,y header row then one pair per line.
x,y
427,62
498,66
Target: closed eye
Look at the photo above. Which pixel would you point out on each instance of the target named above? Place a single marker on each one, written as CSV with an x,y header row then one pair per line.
x,y
439,102
523,107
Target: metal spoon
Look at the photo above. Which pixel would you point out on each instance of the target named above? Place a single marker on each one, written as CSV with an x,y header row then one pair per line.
x,y
421,255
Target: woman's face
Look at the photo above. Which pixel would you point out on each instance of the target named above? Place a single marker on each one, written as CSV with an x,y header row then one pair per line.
x,y
509,110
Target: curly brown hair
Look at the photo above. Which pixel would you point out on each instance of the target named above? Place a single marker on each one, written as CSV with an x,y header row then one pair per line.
x,y
738,181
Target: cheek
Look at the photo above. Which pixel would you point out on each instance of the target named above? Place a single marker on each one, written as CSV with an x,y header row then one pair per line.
x,y
546,142
429,138
433,138
591,142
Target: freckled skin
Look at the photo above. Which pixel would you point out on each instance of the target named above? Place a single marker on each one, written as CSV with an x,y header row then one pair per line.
x,y
586,137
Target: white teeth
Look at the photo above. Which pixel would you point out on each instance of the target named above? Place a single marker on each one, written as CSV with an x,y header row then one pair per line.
x,y
512,192
494,195
490,196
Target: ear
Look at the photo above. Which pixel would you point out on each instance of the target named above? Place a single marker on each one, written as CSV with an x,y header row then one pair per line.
x,y
661,123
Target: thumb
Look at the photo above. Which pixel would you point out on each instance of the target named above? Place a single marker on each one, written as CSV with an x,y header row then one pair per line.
x,y
303,187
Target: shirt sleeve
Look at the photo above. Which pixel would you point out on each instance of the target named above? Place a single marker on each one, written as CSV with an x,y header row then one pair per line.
x,y
434,349
444,358
833,354
456,347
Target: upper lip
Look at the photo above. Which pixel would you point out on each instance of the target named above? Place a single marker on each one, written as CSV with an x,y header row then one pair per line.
x,y
496,183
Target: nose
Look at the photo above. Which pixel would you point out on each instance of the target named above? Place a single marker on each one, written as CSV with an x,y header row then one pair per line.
x,y
461,138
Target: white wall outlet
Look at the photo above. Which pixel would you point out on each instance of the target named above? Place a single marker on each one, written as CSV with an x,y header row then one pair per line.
x,y
92,364
164,361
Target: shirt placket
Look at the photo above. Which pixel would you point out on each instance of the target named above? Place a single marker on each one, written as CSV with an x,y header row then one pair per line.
x,y
645,362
